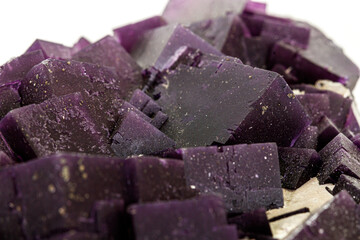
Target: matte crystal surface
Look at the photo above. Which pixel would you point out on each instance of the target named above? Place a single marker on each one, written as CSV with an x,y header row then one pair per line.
x,y
225,34
17,68
135,136
350,184
54,77
108,52
63,190
59,124
327,131
51,49
157,46
152,179
321,60
256,106
337,219
247,176
340,156
308,138
193,219
316,105
130,34
297,166
9,98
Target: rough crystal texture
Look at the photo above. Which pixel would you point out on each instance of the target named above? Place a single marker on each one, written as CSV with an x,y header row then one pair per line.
x,y
59,124
63,190
130,34
308,138
194,219
256,106
340,106
297,166
9,98
108,52
136,136
247,176
340,156
157,46
225,34
350,184
153,179
54,77
17,68
148,106
321,60
182,11
338,219
316,105
327,131
51,49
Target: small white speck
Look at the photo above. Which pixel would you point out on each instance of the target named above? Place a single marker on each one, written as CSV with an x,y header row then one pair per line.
x,y
257,176
265,157
321,231
209,174
192,186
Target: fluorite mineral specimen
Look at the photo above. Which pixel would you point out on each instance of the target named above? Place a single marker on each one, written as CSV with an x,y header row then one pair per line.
x,y
226,123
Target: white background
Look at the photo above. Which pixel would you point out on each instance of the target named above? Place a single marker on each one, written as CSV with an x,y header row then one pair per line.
x,y
22,21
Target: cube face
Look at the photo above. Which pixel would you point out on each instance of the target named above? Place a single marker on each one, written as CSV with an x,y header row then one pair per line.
x,y
338,219
108,52
130,34
247,176
224,33
287,32
178,11
17,68
191,219
50,49
321,60
316,105
308,138
59,124
297,166
250,101
136,136
63,190
56,78
155,179
350,184
151,52
9,98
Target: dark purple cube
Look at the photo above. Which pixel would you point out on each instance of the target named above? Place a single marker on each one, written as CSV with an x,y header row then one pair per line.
x,y
194,219
255,106
58,124
152,179
297,166
135,136
247,176
308,138
340,156
350,184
